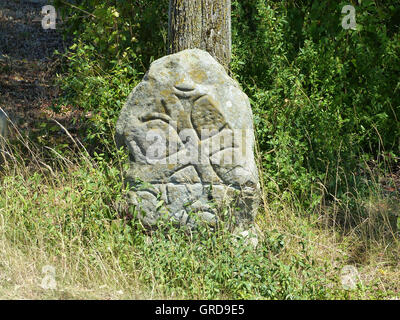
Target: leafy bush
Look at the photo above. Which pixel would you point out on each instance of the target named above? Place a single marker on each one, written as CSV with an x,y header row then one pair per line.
x,y
114,43
322,96
325,99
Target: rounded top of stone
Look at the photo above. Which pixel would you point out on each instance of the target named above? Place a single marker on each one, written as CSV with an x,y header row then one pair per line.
x,y
198,64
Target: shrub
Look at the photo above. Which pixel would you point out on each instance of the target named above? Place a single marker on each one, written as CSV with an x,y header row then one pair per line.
x,y
325,99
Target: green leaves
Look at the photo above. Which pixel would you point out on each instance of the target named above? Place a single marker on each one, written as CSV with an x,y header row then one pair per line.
x,y
320,94
114,43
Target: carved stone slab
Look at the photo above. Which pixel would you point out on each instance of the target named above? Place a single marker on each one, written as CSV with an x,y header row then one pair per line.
x,y
189,130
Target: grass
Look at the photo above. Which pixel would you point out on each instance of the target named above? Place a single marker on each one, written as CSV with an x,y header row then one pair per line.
x,y
59,208
63,212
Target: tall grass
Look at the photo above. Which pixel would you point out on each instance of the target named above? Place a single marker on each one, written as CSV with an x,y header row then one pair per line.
x,y
69,213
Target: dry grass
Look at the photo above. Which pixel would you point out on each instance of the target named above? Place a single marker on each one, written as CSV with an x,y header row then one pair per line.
x,y
94,268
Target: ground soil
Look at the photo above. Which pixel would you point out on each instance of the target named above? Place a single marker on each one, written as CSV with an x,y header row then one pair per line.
x,y
28,65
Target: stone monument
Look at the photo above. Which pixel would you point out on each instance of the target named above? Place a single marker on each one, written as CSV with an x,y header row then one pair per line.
x,y
188,128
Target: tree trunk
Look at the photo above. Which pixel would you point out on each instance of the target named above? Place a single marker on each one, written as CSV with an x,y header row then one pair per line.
x,y
201,24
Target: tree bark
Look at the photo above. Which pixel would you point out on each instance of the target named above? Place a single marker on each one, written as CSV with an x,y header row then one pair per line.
x,y
201,24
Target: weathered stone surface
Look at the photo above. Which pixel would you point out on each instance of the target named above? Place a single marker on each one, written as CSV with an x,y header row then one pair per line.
x,y
189,131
